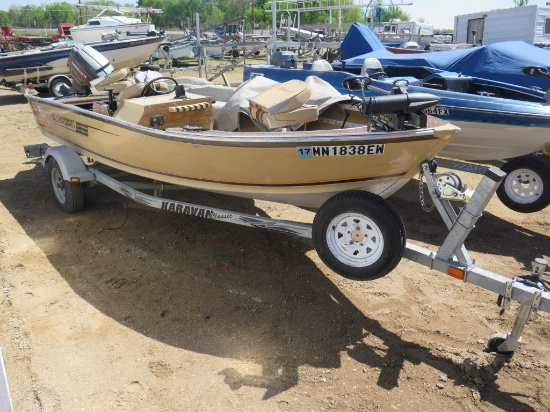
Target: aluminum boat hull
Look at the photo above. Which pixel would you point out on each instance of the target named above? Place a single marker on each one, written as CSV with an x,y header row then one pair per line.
x,y
302,168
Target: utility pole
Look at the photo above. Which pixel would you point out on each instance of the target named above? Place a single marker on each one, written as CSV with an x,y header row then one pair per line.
x,y
253,19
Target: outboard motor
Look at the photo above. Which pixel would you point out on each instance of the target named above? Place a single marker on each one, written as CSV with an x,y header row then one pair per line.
x,y
284,59
86,64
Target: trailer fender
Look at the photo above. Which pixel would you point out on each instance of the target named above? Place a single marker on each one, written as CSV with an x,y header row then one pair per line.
x,y
59,85
58,76
69,162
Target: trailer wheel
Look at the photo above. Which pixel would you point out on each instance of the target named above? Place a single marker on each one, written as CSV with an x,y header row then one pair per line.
x,y
59,86
359,235
68,196
146,66
526,188
42,90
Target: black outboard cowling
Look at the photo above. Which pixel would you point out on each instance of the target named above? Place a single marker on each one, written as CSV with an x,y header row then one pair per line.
x,y
401,111
87,64
400,103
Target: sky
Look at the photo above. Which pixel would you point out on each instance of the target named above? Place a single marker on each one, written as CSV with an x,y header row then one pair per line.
x,y
440,13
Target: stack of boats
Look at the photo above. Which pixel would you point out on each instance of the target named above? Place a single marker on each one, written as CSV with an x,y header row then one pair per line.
x,y
497,94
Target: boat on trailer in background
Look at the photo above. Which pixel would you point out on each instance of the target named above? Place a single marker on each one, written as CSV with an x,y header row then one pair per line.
x,y
45,69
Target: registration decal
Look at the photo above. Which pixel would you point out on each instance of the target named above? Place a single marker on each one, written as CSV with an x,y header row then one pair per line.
x,y
437,111
310,152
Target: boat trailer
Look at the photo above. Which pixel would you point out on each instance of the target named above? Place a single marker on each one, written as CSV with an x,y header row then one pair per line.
x,y
532,291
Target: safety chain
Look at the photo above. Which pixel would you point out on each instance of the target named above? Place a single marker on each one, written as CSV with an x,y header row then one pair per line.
x,y
425,207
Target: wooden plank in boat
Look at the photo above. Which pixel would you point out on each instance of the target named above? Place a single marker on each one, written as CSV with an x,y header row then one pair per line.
x,y
161,112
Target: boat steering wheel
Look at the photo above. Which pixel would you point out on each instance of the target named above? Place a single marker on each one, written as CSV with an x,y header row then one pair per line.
x,y
159,85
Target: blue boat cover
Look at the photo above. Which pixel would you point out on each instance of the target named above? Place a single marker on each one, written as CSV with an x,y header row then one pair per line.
x,y
502,61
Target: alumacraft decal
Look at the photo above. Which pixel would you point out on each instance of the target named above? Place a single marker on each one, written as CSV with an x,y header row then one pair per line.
x,y
193,211
70,124
344,150
437,111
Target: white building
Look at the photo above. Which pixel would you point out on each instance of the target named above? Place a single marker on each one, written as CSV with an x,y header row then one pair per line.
x,y
530,24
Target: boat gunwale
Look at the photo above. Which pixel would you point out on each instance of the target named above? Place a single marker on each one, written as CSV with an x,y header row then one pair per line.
x,y
324,137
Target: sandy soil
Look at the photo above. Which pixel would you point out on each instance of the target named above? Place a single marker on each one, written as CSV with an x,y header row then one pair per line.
x,y
122,308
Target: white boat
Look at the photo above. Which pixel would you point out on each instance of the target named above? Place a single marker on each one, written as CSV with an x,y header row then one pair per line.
x,y
186,49
118,26
39,65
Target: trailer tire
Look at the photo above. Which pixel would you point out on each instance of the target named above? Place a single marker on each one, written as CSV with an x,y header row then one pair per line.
x,y
371,248
42,90
526,188
58,85
152,67
68,196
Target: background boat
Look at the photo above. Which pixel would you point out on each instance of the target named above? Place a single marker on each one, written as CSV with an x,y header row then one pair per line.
x,y
42,63
498,121
119,25
504,61
186,48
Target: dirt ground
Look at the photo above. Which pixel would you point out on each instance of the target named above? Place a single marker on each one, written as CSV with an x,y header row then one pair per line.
x,y
123,308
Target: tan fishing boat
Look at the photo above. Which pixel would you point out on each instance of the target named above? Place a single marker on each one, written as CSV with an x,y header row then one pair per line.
x,y
282,148
301,167
291,143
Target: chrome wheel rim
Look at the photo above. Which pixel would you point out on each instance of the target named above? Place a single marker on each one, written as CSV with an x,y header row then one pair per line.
x,y
355,240
58,187
523,186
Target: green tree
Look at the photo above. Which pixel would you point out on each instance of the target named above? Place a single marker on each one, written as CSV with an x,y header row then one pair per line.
x,y
521,3
60,13
393,12
5,19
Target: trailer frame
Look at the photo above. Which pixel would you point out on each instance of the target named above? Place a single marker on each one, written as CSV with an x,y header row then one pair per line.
x,y
451,258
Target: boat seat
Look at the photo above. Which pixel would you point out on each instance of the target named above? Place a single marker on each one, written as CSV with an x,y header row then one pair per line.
x,y
111,78
118,80
461,84
283,105
135,89
131,91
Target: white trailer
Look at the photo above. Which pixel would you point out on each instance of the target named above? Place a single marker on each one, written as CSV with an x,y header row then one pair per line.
x,y
530,24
